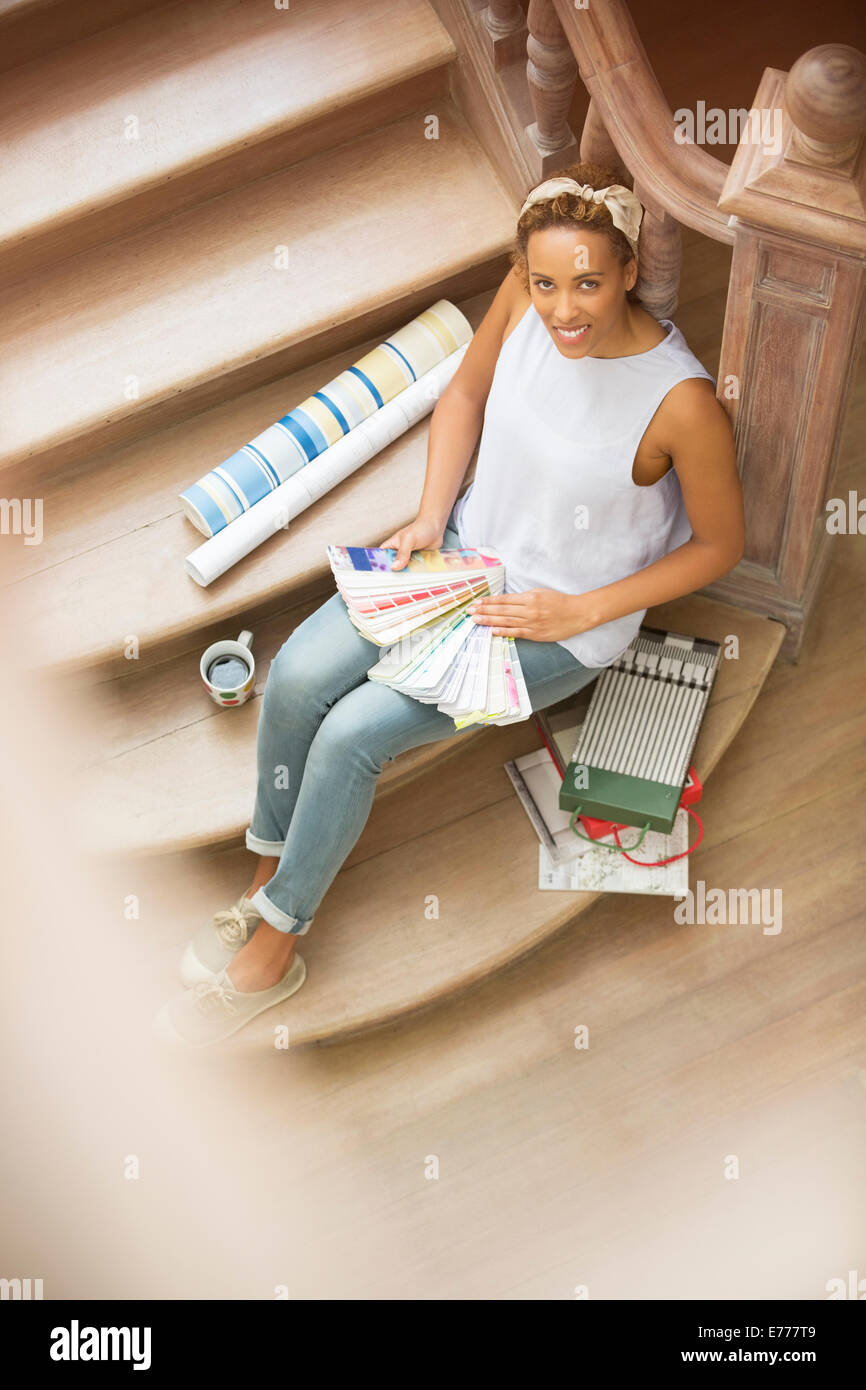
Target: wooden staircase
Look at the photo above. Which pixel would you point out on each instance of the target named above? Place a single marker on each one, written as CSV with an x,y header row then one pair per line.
x,y
150,333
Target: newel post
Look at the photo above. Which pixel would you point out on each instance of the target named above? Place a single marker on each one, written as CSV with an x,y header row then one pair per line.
x,y
796,195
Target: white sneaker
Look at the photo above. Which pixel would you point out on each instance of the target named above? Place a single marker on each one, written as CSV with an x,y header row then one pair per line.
x,y
214,946
214,1009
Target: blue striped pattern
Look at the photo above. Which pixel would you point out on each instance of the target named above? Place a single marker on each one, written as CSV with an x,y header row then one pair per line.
x,y
318,422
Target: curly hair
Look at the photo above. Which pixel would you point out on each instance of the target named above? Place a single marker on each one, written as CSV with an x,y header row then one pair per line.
x,y
569,210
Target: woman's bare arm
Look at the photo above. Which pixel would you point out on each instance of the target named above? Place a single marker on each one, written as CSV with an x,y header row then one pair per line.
x,y
455,425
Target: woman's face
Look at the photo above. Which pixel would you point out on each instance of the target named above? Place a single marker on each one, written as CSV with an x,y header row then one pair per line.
x,y
576,282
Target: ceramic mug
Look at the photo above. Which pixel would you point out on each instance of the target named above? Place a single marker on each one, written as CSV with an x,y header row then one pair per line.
x,y
221,692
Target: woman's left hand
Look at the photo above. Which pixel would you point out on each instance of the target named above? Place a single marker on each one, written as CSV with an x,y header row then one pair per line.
x,y
543,615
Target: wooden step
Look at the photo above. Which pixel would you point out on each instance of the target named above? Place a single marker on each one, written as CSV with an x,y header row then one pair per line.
x,y
222,95
31,28
125,337
110,564
164,770
458,832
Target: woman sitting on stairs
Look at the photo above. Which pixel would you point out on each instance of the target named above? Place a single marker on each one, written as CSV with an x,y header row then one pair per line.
x,y
607,481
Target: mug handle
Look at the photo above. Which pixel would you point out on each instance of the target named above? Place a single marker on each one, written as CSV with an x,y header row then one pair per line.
x,y
245,638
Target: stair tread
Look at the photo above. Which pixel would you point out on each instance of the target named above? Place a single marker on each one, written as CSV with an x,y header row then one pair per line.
x,y
203,79
161,732
189,302
180,773
111,560
31,28
491,911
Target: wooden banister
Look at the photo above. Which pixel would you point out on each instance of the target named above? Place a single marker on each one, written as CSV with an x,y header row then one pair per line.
x,y
682,180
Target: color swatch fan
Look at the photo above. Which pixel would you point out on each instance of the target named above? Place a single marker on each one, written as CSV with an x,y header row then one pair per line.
x,y
436,652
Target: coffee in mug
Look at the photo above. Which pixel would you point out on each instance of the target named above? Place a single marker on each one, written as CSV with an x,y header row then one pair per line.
x,y
228,670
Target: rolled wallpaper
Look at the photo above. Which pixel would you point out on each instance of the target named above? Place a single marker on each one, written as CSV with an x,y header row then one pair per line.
x,y
331,415
274,511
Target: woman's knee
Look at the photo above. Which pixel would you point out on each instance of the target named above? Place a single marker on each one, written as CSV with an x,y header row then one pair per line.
x,y
288,669
373,724
296,678
317,663
346,736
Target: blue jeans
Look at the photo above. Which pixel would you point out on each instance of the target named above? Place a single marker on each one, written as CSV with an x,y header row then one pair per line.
x,y
324,734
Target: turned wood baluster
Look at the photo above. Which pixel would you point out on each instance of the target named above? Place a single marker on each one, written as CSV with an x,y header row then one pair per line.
x,y
505,23
660,243
596,146
551,72
660,258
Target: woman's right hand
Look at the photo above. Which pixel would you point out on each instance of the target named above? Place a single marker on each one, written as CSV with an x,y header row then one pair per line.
x,y
420,534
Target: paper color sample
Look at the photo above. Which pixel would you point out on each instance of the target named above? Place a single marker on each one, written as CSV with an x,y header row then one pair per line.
x,y
435,651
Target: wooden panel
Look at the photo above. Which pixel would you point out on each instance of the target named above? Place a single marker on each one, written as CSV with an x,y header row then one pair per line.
x,y
793,318
779,367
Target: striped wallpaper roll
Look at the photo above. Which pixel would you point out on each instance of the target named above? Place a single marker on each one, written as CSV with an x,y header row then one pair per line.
x,y
352,397
273,513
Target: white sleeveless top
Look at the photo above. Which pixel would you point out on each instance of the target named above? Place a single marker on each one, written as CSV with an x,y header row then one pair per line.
x,y
553,492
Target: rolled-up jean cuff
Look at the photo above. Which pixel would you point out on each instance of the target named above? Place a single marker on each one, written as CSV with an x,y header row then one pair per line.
x,y
271,848
283,921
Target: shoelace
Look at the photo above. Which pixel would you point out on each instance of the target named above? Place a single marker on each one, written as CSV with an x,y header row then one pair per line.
x,y
211,994
232,925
